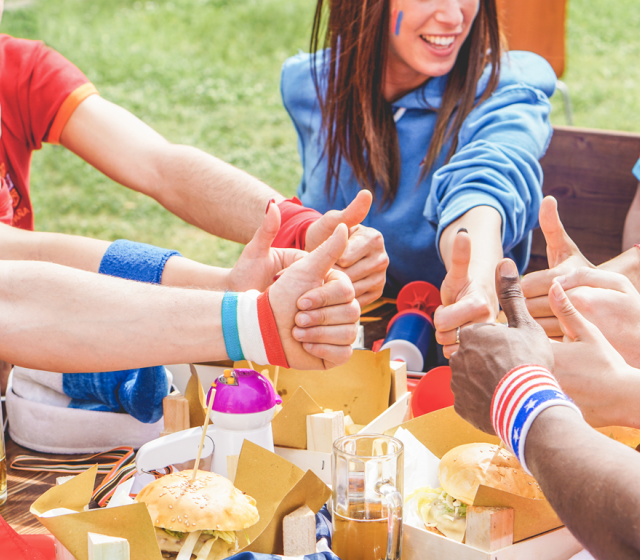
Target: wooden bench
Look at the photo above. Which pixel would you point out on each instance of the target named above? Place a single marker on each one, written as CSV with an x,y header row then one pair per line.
x,y
589,173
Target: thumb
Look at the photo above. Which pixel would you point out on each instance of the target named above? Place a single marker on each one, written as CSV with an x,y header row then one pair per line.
x,y
559,244
357,211
353,214
318,263
457,277
573,324
266,233
510,295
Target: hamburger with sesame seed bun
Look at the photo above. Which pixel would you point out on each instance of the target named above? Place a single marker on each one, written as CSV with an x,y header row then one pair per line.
x,y
198,520
461,472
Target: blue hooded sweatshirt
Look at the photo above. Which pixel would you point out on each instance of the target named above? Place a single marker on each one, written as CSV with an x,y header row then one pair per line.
x,y
495,164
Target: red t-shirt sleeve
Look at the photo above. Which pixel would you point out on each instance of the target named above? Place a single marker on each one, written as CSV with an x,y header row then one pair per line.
x,y
49,89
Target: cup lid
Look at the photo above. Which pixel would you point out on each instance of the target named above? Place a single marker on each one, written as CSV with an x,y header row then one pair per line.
x,y
243,391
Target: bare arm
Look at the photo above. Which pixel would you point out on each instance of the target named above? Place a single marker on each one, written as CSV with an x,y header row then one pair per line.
x,y
631,233
590,480
468,292
628,263
207,192
57,318
564,257
255,269
86,254
483,224
197,187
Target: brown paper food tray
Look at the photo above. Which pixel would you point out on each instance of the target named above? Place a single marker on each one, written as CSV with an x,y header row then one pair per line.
x,y
278,487
360,388
419,544
441,431
290,424
320,463
304,395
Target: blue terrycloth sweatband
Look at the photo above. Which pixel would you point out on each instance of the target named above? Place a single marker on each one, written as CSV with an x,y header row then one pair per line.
x,y
140,391
636,170
230,326
135,261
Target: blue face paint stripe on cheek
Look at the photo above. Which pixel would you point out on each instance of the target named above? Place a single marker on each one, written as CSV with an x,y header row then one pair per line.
x,y
398,22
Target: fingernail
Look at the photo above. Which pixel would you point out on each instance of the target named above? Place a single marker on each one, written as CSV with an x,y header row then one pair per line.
x,y
557,291
303,319
298,334
508,269
304,304
462,229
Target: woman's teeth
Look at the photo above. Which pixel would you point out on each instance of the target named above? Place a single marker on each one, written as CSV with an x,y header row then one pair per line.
x,y
438,41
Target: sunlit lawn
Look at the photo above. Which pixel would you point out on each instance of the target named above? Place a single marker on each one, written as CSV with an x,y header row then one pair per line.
x,y
206,73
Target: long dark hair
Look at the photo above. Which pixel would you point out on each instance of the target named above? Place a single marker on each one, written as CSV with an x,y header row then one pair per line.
x,y
357,119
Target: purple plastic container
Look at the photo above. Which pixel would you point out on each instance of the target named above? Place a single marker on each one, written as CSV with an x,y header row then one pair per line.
x,y
252,393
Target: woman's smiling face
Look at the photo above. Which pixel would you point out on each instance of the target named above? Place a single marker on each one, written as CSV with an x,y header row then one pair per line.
x,y
426,37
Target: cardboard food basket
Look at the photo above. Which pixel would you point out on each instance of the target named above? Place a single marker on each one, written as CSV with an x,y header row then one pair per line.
x,y
369,388
537,530
278,487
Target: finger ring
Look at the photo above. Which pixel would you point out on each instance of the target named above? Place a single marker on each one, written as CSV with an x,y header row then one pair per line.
x,y
458,335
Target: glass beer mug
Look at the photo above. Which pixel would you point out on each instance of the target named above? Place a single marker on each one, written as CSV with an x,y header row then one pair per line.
x,y
368,480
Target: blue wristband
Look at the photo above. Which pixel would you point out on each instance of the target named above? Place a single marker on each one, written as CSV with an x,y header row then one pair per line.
x,y
135,261
636,170
230,326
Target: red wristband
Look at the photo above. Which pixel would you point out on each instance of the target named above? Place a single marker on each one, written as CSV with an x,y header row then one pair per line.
x,y
295,221
269,332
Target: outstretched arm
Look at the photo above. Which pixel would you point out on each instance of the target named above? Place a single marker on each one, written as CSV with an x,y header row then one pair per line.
x,y
631,233
255,269
627,263
197,187
471,248
86,254
589,479
207,192
564,257
57,318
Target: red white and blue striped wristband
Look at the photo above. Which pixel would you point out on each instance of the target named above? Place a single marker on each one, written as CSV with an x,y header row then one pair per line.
x,y
518,400
250,330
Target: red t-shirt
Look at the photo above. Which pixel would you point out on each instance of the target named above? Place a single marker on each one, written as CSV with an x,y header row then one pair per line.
x,y
39,90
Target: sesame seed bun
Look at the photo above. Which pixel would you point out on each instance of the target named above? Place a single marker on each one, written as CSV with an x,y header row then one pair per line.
x,y
211,503
463,469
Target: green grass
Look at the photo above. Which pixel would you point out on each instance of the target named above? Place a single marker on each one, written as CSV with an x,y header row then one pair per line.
x,y
603,65
206,73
